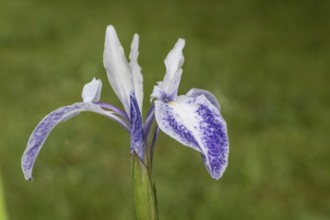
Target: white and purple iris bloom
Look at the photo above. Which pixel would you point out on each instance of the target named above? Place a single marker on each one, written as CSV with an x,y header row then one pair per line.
x,y
192,119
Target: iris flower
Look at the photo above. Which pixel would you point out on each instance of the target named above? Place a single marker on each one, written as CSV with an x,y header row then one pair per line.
x,y
192,119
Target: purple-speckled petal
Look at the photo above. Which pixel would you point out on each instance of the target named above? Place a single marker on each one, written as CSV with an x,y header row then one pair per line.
x,y
197,123
137,136
47,124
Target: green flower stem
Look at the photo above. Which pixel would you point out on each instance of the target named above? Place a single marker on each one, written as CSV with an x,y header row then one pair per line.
x,y
144,198
3,215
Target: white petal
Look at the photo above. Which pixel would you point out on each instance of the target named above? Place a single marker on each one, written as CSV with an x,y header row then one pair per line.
x,y
197,92
173,63
48,123
92,91
116,65
136,71
196,123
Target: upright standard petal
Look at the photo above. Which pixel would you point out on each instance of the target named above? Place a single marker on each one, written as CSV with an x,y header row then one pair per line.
x,y
136,71
173,62
92,91
137,135
41,132
116,65
196,122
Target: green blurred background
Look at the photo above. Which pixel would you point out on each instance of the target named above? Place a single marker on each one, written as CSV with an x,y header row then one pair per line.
x,y
266,61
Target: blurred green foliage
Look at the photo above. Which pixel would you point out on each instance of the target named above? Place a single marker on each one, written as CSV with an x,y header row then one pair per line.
x,y
2,204
266,61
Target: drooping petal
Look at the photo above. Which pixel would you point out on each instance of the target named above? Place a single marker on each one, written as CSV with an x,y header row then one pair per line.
x,y
137,136
196,122
92,91
136,71
116,65
173,63
47,124
197,92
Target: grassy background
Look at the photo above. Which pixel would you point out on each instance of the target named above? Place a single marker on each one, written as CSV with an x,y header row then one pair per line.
x,y
2,205
266,61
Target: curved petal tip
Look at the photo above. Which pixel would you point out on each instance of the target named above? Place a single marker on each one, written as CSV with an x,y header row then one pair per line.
x,y
92,91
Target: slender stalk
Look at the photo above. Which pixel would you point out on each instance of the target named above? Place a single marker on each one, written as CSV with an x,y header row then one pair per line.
x,y
3,215
151,131
150,143
144,196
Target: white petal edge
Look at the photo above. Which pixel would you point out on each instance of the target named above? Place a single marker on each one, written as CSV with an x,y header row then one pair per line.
x,y
196,122
136,71
48,123
92,91
117,67
197,92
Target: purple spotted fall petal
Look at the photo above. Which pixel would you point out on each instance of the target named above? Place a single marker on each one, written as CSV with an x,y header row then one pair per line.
x,y
197,123
47,124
